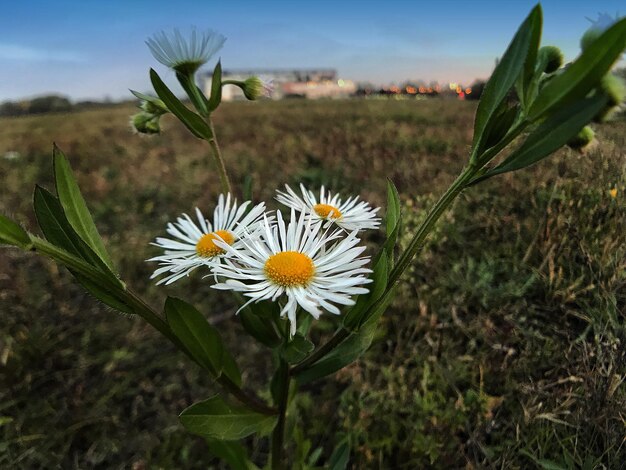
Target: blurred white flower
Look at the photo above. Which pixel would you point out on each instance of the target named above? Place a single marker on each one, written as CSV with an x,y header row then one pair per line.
x,y
182,54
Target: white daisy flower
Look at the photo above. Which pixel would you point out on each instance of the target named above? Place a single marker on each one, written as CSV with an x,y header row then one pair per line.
x,y
194,244
351,214
295,263
182,54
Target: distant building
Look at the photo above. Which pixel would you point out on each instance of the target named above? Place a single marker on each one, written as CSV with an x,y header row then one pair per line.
x,y
304,83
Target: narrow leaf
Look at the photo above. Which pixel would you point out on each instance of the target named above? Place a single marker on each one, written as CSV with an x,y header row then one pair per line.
x,y
230,368
526,81
346,353
216,419
550,135
57,229
216,87
393,207
196,125
257,321
506,73
584,74
196,334
12,234
75,208
355,316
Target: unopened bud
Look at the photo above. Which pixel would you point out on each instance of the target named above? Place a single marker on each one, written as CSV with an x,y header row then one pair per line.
x,y
583,139
146,123
255,88
604,22
614,88
552,57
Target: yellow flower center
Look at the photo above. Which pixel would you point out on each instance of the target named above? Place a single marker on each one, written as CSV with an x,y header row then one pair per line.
x,y
206,246
326,211
290,268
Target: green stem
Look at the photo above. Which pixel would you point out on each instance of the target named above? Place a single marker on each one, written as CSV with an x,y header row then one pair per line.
x,y
278,435
219,161
416,243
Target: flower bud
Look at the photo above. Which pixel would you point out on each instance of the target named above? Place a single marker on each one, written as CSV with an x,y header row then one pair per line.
x,y
255,88
146,123
552,57
604,22
614,88
583,139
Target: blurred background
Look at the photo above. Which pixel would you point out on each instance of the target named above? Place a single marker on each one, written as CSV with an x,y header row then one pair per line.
x,y
505,347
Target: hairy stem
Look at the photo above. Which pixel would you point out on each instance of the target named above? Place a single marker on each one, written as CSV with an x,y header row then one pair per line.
x,y
219,161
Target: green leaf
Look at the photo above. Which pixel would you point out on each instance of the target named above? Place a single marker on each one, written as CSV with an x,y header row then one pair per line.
x,y
111,297
499,126
550,135
355,316
256,319
231,452
75,208
196,125
393,208
12,234
346,353
584,74
193,330
526,83
216,419
382,263
216,87
505,74
57,229
230,368
297,349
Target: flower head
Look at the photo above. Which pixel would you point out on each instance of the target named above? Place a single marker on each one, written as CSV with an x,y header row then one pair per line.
x,y
185,55
349,215
294,262
195,244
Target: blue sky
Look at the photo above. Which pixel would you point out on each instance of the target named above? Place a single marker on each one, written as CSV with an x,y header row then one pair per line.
x,y
95,49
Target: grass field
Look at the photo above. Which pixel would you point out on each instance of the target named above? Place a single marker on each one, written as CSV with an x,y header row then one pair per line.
x,y
504,349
